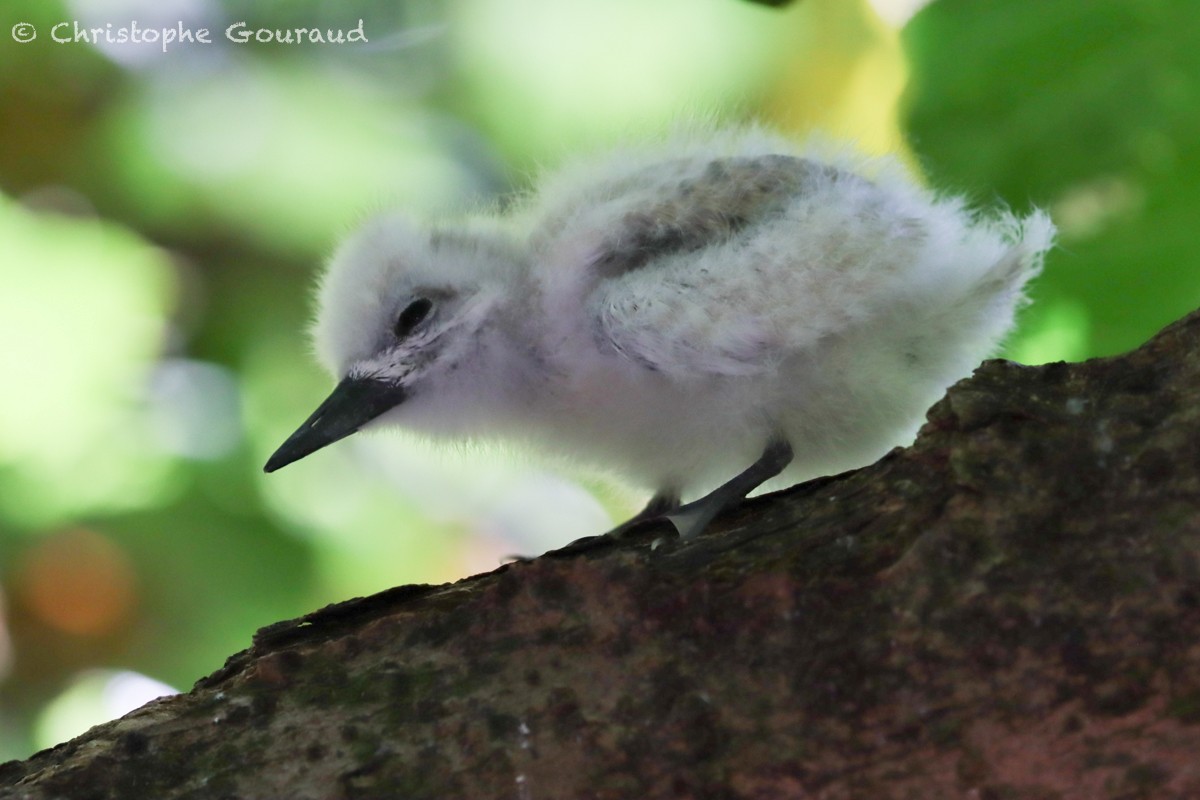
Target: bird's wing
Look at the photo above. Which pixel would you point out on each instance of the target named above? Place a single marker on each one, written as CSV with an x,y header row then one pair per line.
x,y
671,210
686,259
732,264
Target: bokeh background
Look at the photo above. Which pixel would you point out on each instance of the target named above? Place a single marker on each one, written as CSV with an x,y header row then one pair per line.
x,y
162,215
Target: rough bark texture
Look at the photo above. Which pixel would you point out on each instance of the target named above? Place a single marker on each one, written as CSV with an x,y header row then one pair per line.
x,y
1008,609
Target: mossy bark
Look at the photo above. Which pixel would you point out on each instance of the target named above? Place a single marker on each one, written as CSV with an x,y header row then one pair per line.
x,y
1010,608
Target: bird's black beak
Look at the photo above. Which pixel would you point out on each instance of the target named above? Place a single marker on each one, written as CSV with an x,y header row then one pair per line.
x,y
354,403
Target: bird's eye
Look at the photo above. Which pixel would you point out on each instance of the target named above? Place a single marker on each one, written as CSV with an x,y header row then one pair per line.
x,y
411,316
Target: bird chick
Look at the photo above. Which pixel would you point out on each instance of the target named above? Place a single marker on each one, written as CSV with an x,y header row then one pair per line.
x,y
726,306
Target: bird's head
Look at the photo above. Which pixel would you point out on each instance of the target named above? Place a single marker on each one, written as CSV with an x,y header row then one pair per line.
x,y
400,309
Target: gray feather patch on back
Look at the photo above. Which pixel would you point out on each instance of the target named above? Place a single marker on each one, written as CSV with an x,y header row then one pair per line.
x,y
728,196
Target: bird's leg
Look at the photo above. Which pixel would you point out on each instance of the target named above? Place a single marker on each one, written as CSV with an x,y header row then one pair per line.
x,y
691,518
663,502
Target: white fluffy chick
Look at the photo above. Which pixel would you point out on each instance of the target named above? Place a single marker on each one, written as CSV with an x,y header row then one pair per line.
x,y
722,304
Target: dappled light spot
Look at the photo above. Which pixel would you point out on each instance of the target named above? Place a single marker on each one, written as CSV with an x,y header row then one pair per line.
x,y
79,582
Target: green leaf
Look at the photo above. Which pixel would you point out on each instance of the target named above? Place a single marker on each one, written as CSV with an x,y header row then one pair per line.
x,y
1091,109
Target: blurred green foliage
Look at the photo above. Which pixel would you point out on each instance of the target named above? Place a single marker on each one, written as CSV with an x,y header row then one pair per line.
x,y
162,215
1093,108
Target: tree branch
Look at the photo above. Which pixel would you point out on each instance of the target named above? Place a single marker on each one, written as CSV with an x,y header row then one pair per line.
x,y
1008,608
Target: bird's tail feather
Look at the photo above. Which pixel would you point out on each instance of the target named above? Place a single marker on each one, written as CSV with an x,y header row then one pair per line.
x,y
1031,237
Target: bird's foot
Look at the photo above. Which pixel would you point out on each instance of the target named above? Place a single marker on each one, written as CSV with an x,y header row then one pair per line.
x,y
654,512
690,519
